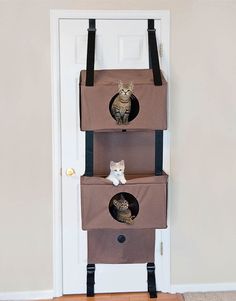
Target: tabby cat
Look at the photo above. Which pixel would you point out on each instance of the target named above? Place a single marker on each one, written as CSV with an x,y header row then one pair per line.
x,y
122,104
123,212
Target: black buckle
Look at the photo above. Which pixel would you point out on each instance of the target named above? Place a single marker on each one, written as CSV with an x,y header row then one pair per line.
x,y
151,266
91,29
90,267
151,29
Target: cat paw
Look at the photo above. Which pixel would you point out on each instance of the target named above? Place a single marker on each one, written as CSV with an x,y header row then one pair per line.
x,y
115,183
129,222
123,181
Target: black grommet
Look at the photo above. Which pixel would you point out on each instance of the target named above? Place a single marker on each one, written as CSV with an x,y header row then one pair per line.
x,y
121,239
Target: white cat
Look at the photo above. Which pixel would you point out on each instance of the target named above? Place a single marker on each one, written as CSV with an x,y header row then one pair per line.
x,y
116,175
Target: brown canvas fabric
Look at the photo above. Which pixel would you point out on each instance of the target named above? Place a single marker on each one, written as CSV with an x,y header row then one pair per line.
x,y
150,193
95,100
136,148
104,247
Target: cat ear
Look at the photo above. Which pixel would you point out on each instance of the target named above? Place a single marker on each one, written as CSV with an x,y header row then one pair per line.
x,y
120,85
112,163
131,86
122,162
115,202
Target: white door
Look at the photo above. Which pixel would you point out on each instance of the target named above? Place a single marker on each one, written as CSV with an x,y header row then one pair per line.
x,y
119,44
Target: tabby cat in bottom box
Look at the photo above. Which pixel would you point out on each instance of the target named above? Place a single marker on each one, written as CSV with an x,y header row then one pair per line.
x,y
123,213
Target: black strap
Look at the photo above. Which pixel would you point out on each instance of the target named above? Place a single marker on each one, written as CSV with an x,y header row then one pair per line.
x,y
90,53
89,154
153,53
90,279
158,152
151,280
158,133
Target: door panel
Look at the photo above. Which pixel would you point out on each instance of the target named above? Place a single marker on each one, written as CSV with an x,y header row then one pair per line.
x,y
120,44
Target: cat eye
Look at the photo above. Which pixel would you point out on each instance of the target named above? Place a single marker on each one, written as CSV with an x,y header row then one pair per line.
x,y
120,169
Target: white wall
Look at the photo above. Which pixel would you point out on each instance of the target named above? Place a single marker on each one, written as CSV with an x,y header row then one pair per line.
x,y
203,139
203,143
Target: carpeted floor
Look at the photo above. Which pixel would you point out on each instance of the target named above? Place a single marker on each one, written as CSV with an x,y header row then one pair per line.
x,y
218,296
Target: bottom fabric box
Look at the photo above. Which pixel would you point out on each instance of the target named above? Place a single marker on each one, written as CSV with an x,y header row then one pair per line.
x,y
121,246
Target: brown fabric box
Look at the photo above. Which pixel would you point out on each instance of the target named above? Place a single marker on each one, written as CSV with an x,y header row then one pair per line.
x,y
150,193
95,100
135,246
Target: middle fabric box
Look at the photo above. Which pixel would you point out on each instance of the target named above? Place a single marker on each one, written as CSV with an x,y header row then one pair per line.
x,y
144,193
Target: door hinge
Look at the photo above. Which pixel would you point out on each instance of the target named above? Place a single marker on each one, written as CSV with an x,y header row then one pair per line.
x,y
161,50
161,248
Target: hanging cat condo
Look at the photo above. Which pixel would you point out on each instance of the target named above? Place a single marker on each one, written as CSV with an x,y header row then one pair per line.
x,y
124,113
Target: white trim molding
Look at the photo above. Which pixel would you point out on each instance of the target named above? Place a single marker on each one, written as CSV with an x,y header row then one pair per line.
x,y
27,295
203,287
56,156
58,14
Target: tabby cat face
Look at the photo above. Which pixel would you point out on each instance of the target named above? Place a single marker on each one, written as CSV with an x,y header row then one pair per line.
x,y
125,90
117,167
121,204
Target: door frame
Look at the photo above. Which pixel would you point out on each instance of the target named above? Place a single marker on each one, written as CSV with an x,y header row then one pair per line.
x,y
55,17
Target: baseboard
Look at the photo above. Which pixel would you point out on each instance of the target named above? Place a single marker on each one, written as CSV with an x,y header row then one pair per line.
x,y
26,295
203,287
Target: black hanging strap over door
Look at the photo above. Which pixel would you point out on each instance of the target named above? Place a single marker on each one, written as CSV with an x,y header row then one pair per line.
x,y
91,53
153,53
154,64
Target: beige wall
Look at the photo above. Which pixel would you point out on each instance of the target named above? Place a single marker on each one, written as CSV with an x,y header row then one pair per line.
x,y
203,139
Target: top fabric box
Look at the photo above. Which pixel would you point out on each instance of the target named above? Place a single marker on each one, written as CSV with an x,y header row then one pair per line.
x,y
148,102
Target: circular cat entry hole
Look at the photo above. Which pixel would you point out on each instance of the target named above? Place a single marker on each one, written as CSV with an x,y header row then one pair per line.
x,y
124,207
114,109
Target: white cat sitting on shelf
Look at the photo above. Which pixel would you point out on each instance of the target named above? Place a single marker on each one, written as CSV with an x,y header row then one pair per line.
x,y
116,175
